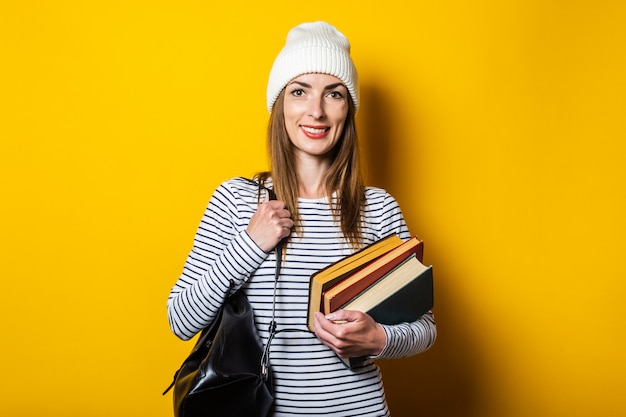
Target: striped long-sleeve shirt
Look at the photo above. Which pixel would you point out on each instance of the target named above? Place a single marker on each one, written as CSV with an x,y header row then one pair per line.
x,y
309,378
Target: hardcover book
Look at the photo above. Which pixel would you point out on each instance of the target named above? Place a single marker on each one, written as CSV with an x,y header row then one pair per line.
x,y
387,280
327,277
403,295
358,281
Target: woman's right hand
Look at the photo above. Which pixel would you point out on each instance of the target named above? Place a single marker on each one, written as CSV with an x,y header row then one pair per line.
x,y
270,224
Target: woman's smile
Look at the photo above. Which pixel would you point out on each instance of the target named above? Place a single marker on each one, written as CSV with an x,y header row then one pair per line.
x,y
315,132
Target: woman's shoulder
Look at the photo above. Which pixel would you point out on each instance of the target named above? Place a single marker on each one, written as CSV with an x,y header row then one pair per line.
x,y
382,215
240,183
377,195
371,190
237,189
379,200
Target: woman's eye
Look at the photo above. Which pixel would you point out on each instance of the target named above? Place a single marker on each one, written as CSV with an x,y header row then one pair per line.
x,y
297,93
335,94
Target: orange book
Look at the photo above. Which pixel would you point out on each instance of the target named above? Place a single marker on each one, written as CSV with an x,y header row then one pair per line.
x,y
358,281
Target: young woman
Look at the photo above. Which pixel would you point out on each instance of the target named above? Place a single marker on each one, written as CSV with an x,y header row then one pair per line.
x,y
323,213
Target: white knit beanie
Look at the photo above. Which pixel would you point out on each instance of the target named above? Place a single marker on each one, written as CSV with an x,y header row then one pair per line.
x,y
315,47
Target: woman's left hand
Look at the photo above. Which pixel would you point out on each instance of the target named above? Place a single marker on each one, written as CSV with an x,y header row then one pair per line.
x,y
350,333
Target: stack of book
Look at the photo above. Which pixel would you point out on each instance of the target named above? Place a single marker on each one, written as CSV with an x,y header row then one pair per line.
x,y
386,280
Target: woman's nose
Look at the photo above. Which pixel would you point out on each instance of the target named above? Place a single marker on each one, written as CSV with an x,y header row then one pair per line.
x,y
316,108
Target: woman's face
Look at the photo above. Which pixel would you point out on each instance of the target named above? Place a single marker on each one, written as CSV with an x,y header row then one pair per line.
x,y
315,110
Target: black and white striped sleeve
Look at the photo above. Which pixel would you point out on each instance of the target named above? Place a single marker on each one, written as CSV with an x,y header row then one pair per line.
x,y
222,253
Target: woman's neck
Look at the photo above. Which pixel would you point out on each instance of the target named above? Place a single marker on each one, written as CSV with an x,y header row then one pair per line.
x,y
311,192
311,178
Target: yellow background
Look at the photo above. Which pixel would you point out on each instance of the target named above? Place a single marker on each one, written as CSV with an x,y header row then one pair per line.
x,y
499,127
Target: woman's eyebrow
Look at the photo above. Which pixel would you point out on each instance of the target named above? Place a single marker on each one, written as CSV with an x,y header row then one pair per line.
x,y
300,83
333,86
328,87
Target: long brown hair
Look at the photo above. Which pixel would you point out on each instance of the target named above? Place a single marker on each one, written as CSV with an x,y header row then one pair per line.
x,y
343,176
